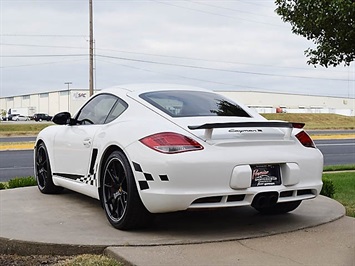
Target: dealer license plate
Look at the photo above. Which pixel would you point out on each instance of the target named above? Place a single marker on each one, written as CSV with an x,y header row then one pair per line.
x,y
265,175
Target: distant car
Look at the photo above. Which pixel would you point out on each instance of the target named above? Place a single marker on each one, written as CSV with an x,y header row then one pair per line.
x,y
166,148
10,117
20,118
41,117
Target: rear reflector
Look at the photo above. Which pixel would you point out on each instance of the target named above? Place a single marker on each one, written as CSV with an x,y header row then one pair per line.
x,y
169,142
305,139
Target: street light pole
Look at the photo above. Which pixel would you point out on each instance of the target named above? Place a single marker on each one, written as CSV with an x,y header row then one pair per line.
x,y
91,51
68,83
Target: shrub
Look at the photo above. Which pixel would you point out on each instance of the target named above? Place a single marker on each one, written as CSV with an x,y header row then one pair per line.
x,y
2,186
22,182
328,188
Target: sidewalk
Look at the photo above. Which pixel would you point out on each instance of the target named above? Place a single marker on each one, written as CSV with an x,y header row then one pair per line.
x,y
69,223
331,244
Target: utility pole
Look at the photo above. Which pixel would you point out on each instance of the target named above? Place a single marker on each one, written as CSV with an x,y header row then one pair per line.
x,y
68,83
91,51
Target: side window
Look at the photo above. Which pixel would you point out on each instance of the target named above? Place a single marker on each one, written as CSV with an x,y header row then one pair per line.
x,y
116,111
97,110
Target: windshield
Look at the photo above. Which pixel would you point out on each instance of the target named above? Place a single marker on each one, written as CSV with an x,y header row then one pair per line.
x,y
193,103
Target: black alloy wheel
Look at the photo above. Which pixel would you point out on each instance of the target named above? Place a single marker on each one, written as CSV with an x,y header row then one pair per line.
x,y
120,199
43,171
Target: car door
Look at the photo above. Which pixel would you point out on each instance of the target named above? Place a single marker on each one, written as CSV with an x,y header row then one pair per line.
x,y
74,143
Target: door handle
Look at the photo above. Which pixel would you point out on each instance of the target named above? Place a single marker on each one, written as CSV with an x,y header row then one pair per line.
x,y
87,142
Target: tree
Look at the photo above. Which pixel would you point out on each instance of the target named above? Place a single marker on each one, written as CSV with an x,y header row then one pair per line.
x,y
330,24
2,113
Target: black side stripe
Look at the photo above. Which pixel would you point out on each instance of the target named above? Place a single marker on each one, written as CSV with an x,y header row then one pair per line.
x,y
137,167
164,177
148,177
93,160
70,176
143,185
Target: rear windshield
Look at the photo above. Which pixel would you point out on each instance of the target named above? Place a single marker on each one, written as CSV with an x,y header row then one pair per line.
x,y
193,103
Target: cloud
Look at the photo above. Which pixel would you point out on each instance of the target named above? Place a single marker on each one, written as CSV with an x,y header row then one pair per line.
x,y
225,45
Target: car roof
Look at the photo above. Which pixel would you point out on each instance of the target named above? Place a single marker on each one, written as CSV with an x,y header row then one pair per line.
x,y
148,87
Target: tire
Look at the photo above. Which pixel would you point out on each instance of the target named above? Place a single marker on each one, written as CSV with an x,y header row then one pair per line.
x,y
119,196
280,208
43,171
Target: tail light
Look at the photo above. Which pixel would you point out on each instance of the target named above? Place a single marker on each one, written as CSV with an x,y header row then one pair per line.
x,y
305,139
169,142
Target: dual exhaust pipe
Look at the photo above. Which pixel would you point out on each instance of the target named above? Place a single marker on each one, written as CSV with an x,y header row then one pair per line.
x,y
265,200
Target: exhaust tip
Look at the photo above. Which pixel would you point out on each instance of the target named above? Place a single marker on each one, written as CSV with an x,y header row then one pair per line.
x,y
265,200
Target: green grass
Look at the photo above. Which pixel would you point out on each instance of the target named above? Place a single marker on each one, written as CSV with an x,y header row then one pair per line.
x,y
90,260
9,129
345,167
316,121
19,182
22,182
344,184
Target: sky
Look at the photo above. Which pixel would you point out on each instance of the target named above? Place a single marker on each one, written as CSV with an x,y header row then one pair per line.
x,y
235,45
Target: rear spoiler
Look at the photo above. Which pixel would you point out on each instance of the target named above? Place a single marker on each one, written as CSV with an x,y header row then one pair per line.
x,y
276,124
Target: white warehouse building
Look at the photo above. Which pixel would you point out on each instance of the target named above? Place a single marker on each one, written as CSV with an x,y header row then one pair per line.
x,y
264,102
269,102
47,102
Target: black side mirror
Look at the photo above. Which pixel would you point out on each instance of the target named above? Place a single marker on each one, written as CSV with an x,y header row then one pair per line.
x,y
63,118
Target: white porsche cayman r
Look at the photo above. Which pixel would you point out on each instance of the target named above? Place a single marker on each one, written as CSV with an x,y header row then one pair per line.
x,y
145,149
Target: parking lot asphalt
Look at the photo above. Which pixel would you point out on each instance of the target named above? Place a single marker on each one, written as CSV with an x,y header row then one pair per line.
x,y
317,233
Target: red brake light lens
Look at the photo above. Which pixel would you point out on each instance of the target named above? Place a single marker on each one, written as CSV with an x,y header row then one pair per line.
x,y
305,139
169,142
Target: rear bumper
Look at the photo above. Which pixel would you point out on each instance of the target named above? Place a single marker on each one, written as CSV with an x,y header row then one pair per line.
x,y
206,179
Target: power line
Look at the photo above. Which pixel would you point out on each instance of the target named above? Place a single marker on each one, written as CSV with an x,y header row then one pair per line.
x,y
180,76
38,64
42,46
227,8
217,14
248,2
44,35
43,55
167,56
176,65
203,80
217,69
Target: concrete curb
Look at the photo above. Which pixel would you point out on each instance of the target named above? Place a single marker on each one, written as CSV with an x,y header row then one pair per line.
x,y
70,223
327,244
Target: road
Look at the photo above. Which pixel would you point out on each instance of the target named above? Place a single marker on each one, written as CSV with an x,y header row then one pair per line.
x,y
20,163
17,139
331,132
337,151
15,164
